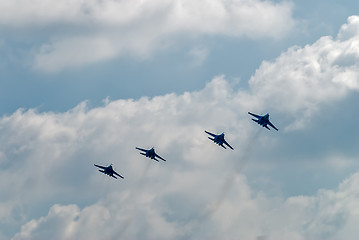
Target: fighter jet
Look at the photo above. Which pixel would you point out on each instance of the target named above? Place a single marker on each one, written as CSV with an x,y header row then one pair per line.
x,y
219,139
108,171
263,120
150,153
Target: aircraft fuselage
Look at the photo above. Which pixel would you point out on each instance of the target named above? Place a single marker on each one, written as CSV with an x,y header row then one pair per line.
x,y
219,139
151,153
109,170
264,120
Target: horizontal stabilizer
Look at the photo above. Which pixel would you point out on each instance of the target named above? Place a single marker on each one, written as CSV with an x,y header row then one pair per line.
x,y
101,171
255,120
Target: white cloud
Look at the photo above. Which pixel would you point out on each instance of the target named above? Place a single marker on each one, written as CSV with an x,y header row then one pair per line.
x,y
80,32
330,214
304,78
349,30
46,160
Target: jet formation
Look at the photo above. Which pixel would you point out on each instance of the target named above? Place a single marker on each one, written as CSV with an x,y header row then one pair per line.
x,y
263,120
218,139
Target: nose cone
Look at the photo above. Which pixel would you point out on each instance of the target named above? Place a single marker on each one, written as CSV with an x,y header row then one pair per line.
x,y
221,137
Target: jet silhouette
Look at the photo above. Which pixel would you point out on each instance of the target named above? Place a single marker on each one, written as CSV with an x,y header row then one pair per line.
x,y
108,171
219,139
263,120
150,153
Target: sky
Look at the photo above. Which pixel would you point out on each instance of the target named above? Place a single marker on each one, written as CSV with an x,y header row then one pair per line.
x,y
85,82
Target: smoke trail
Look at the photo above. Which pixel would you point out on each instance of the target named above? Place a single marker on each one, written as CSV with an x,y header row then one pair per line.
x,y
133,198
229,180
247,150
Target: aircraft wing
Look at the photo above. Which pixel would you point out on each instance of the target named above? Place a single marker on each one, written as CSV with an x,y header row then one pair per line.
x,y
160,157
99,166
254,115
141,149
213,135
225,142
270,124
118,174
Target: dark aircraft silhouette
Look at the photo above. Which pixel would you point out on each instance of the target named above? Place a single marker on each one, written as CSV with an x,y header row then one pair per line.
x,y
219,139
263,120
108,171
150,153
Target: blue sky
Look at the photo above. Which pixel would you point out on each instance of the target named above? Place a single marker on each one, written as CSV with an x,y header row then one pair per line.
x,y
172,69
85,82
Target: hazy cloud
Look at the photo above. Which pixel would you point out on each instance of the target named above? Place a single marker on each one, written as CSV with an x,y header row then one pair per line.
x,y
47,160
198,55
75,33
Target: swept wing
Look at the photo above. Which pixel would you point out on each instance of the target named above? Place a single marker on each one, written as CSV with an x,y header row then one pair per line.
x,y
117,175
213,135
254,115
141,149
160,157
99,166
270,124
225,142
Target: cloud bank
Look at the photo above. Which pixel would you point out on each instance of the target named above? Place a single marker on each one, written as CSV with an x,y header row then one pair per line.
x,y
330,214
47,159
76,33
306,77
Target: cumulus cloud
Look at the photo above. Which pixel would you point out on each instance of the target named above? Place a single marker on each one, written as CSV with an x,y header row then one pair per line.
x,y
330,214
317,73
47,160
91,31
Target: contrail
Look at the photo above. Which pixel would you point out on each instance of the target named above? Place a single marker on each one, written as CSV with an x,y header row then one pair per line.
x,y
228,182
133,197
247,150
